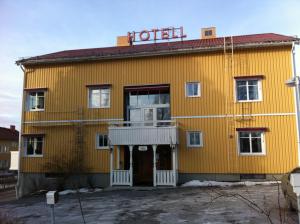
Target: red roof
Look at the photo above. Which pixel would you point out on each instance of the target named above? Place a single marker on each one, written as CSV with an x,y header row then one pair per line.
x,y
254,39
9,134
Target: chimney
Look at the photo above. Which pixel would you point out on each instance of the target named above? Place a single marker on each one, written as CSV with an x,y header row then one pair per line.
x,y
208,33
122,41
12,127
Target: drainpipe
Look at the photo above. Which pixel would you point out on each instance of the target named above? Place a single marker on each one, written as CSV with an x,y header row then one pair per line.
x,y
20,133
297,98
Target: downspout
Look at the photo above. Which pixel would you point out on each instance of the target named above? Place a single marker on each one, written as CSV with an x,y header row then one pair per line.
x,y
297,99
20,134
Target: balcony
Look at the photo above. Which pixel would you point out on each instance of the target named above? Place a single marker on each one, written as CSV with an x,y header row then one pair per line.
x,y
163,132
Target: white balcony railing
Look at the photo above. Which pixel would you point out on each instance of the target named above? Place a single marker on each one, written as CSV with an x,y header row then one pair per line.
x,y
143,133
165,178
121,177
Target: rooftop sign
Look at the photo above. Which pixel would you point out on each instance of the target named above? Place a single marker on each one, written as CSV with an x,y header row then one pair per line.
x,y
156,34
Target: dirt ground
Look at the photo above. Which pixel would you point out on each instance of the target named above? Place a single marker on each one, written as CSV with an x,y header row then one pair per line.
x,y
255,204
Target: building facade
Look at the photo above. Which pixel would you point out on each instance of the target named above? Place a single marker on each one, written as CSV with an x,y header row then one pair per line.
x,y
162,113
9,138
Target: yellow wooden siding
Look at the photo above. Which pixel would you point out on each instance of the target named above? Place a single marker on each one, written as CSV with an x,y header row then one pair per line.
x,y
67,94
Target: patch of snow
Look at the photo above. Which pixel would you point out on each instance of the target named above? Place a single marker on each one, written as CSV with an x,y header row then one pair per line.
x,y
65,192
81,190
197,183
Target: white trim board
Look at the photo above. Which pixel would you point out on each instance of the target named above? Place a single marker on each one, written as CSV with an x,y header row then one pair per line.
x,y
73,121
236,115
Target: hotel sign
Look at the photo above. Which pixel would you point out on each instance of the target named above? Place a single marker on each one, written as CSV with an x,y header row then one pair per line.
x,y
156,34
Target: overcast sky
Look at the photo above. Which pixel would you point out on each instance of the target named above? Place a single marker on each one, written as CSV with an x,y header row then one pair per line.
x,y
33,27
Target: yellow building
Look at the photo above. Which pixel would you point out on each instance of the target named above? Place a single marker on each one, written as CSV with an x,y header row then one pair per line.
x,y
162,113
9,138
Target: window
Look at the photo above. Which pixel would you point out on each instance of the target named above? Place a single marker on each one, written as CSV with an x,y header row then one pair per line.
x,y
248,90
208,32
33,145
251,142
192,89
194,139
101,141
35,101
99,97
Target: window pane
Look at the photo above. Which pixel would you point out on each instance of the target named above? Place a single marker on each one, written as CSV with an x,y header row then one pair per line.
x,y
94,98
195,89
105,142
164,98
197,138
253,82
253,92
256,134
190,90
242,93
256,145
101,141
143,100
244,145
163,113
133,99
104,99
154,97
243,134
40,103
241,83
29,148
191,135
39,146
32,101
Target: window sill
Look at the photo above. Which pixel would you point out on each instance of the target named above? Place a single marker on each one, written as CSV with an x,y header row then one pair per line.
x,y
33,156
193,96
252,154
247,101
35,110
101,148
194,146
99,107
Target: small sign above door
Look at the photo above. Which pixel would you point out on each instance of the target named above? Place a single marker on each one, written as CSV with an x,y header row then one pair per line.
x,y
143,148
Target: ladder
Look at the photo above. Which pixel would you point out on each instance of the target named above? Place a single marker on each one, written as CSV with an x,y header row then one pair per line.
x,y
230,108
79,143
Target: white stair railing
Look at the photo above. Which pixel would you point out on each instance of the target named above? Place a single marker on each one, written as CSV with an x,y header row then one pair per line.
x,y
121,177
165,177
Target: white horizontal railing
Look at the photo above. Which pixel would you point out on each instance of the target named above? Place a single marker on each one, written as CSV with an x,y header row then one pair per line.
x,y
165,177
143,132
121,177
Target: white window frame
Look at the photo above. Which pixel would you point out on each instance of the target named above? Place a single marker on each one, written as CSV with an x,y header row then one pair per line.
x,y
189,145
259,86
28,102
25,141
263,145
199,89
100,88
97,141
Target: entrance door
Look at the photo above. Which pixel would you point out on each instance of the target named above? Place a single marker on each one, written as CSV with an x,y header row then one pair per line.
x,y
143,167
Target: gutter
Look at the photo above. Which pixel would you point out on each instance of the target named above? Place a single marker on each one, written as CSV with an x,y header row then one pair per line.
x,y
150,54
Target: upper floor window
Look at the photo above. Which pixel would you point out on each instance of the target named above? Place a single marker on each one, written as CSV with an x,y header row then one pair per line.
x,y
194,139
33,145
101,141
251,142
248,90
35,101
192,89
99,97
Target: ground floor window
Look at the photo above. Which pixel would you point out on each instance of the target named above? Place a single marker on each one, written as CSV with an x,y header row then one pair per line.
x,y
33,145
101,141
251,142
194,139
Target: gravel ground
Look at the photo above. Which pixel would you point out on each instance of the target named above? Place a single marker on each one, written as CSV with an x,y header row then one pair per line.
x,y
174,205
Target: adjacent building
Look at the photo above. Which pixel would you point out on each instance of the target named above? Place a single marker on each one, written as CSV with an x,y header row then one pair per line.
x,y
9,138
214,108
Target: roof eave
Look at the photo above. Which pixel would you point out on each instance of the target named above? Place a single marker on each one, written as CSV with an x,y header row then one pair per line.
x,y
151,54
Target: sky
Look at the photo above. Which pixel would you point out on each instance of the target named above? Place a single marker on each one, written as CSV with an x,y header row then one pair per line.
x,y
34,27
